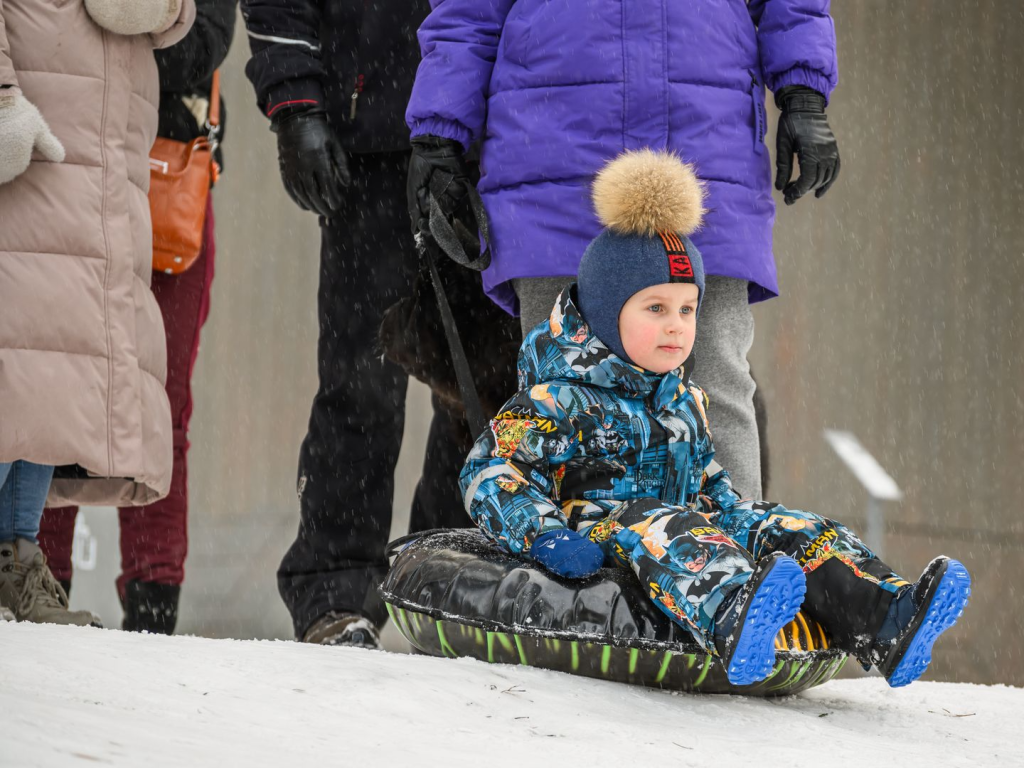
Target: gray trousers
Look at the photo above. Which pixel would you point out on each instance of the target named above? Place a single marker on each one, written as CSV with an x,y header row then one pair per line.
x,y
725,332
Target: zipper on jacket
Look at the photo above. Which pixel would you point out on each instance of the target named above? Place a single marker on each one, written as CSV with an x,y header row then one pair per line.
x,y
760,118
360,82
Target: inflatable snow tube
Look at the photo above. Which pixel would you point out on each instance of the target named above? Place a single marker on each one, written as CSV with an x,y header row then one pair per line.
x,y
452,593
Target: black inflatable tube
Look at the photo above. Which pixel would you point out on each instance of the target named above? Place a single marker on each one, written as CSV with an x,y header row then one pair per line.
x,y
452,593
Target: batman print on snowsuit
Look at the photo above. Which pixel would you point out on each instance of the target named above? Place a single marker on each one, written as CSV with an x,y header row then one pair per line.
x,y
626,457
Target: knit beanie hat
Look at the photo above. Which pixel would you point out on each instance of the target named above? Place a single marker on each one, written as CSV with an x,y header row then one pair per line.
x,y
649,203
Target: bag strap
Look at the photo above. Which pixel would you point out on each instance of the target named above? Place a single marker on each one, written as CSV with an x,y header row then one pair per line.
x,y
213,114
213,121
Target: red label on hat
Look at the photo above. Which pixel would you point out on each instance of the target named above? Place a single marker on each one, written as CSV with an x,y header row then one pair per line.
x,y
679,265
678,261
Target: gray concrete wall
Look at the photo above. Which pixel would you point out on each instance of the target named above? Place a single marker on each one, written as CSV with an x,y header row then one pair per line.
x,y
902,317
901,320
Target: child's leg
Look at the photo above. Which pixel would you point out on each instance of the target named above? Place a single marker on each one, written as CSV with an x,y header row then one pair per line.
x,y
848,588
687,566
705,581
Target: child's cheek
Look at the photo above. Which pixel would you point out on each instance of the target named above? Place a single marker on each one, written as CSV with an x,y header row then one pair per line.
x,y
647,336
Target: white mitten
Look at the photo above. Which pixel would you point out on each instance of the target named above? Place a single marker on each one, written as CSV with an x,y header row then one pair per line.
x,y
133,17
23,129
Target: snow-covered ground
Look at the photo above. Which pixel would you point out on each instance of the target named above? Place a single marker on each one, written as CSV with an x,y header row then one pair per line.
x,y
74,696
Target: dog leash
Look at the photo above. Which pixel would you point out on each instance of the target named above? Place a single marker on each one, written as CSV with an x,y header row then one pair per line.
x,y
456,242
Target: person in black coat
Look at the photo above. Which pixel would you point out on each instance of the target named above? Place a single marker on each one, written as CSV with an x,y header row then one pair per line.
x,y
186,72
154,538
334,79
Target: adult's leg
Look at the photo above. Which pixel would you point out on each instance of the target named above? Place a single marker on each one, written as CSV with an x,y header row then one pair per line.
x,y
27,588
56,538
23,488
437,502
725,332
154,538
347,460
848,588
536,298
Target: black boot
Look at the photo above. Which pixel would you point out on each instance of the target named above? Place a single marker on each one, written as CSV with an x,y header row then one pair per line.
x,y
849,606
916,617
748,621
150,607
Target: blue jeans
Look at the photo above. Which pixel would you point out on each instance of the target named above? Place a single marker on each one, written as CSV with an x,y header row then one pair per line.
x,y
23,487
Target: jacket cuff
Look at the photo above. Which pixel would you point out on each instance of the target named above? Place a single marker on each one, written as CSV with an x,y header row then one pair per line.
x,y
9,92
801,76
446,129
307,93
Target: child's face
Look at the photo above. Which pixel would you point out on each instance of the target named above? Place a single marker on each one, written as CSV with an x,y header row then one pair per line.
x,y
658,324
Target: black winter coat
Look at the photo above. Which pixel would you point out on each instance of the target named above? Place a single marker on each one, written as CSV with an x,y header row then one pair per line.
x,y
186,70
355,59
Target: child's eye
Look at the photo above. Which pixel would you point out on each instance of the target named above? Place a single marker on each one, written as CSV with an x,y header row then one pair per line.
x,y
654,308
686,311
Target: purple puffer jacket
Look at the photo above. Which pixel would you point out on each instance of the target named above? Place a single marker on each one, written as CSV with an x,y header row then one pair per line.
x,y
556,88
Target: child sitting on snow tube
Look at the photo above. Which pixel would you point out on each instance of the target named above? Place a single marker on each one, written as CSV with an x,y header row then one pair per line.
x,y
604,455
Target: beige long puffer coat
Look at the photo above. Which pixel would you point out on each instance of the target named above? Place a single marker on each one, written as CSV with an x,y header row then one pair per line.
x,y
82,350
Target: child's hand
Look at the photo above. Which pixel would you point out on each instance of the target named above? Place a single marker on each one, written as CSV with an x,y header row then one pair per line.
x,y
568,554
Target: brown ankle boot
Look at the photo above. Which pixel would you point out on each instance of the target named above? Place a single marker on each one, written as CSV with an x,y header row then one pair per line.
x,y
334,628
8,592
41,599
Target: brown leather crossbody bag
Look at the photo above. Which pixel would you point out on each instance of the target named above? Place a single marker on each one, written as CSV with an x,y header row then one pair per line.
x,y
181,175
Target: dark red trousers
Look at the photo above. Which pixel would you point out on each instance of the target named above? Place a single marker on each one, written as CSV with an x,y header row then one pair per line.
x,y
154,538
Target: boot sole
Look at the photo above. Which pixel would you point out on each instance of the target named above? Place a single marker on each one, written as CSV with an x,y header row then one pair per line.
x,y
772,606
946,605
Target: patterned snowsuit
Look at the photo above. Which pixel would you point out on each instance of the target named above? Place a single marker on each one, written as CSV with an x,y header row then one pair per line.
x,y
592,443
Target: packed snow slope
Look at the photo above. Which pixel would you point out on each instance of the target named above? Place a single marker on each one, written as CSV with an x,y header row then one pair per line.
x,y
71,696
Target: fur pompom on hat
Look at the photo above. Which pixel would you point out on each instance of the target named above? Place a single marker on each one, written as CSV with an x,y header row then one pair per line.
x,y
650,203
646,192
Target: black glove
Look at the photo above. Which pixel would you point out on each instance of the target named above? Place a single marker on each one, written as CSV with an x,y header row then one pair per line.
x,y
430,154
803,130
313,164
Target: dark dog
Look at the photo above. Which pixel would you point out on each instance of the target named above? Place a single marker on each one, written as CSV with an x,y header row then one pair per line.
x,y
412,336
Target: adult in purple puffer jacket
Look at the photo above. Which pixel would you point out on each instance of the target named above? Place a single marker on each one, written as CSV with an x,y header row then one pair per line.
x,y
553,89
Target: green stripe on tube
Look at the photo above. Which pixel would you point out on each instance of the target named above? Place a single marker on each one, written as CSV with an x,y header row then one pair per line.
x,y
703,672
446,649
666,660
522,653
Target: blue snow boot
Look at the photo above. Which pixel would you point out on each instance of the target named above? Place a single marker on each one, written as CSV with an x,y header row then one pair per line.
x,y
916,617
748,620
